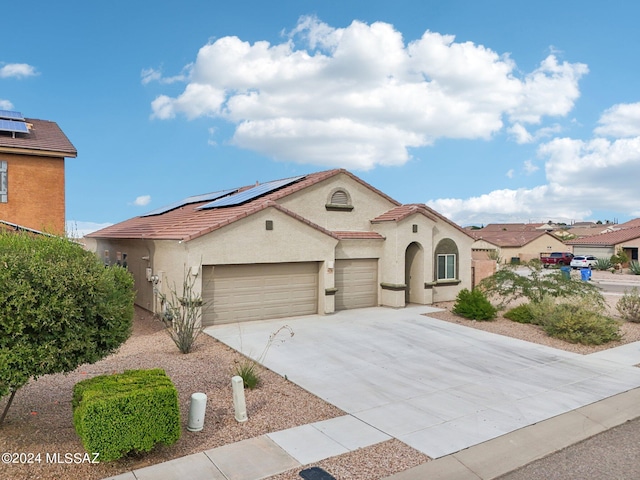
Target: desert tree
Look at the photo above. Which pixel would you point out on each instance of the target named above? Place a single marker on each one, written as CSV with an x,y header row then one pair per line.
x,y
60,307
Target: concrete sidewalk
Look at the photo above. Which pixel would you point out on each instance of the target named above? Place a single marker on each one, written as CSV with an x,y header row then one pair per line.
x,y
267,455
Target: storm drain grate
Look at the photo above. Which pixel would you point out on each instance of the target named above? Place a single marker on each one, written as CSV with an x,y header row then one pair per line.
x,y
316,473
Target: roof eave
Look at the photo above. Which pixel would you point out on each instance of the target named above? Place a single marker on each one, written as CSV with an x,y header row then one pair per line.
x,y
39,152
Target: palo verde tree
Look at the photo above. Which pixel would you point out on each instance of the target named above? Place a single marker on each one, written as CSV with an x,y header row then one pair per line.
x,y
60,307
509,284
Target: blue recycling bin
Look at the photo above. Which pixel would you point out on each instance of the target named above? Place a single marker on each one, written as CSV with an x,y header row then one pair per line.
x,y
585,273
566,272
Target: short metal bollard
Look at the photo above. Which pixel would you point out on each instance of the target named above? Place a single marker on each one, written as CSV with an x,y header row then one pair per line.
x,y
197,410
239,402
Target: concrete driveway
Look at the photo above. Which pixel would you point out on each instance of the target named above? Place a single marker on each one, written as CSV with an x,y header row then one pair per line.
x,y
436,386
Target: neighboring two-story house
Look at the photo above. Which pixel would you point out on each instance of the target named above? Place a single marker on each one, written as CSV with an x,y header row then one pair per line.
x,y
309,244
32,180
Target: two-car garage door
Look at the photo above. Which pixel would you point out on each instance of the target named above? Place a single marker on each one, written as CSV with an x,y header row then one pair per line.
x,y
237,293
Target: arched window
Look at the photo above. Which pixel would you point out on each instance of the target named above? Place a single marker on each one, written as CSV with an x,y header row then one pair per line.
x,y
339,199
446,260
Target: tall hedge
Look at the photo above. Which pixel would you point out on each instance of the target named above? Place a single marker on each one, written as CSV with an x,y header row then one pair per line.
x,y
60,307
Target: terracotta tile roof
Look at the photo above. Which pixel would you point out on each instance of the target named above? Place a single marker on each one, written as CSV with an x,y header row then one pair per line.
x,y
187,222
403,211
510,239
45,137
510,227
343,235
586,231
630,224
609,238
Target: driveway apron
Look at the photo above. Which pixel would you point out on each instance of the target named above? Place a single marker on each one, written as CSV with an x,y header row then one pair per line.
x,y
437,386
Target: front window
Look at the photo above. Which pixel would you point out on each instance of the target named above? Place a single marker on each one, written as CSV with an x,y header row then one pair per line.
x,y
446,267
3,182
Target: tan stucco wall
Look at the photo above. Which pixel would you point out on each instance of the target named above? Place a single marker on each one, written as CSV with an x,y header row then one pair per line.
x,y
139,257
482,269
392,265
35,192
244,242
311,204
543,244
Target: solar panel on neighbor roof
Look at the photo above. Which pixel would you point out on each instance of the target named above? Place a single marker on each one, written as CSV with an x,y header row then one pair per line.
x,y
13,126
194,199
11,115
252,193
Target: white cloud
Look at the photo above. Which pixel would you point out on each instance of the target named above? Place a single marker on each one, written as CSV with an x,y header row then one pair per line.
x,y
360,96
520,133
622,120
142,200
510,173
149,75
6,105
530,167
581,176
17,70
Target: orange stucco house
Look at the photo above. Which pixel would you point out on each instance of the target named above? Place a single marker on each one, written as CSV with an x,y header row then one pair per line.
x,y
32,154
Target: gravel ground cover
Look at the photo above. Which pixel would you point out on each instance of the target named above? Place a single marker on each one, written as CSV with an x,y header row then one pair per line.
x,y
40,419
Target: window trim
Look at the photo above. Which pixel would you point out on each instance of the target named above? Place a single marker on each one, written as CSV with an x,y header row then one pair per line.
x,y
448,259
339,207
4,182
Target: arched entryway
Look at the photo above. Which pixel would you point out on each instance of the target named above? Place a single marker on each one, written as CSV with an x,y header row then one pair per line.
x,y
414,273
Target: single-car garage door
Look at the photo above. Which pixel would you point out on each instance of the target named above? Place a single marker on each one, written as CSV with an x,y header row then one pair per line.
x,y
238,293
357,283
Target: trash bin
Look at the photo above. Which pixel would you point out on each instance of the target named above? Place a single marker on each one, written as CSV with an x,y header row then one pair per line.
x,y
566,272
585,273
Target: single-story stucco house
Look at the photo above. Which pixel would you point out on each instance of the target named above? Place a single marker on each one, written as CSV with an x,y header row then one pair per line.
x,y
607,244
308,244
516,246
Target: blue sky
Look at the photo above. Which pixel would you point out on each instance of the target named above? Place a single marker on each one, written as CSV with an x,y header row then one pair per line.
x,y
492,111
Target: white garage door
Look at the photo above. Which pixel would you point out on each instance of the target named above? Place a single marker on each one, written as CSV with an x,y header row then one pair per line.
x,y
238,293
357,283
598,252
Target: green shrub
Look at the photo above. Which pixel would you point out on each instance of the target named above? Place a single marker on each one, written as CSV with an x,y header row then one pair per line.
x,y
629,306
520,314
130,412
577,323
248,370
59,308
474,305
634,267
603,264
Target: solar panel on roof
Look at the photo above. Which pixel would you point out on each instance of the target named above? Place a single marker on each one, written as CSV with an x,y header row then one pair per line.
x,y
250,194
11,115
194,199
13,126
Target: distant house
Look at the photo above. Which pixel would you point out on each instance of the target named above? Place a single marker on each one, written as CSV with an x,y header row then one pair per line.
x,y
630,224
510,227
309,244
515,246
606,244
32,154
